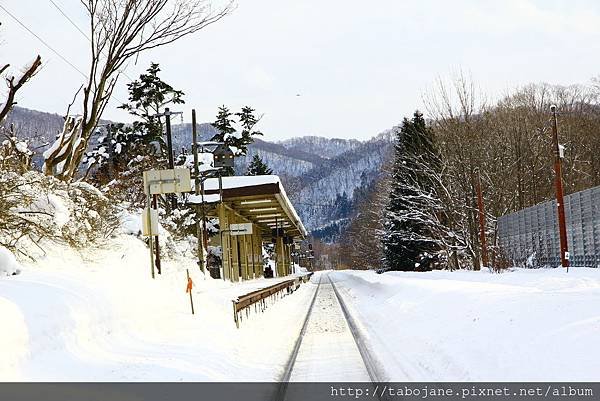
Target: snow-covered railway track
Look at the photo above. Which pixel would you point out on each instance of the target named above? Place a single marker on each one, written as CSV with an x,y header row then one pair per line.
x,y
367,356
329,347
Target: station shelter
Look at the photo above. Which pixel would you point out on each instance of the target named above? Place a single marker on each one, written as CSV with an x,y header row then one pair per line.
x,y
259,201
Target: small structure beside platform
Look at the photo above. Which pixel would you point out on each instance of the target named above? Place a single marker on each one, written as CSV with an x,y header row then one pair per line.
x,y
260,201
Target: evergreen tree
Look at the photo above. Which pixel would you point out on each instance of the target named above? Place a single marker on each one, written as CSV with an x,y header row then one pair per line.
x,y
258,167
224,126
342,207
123,151
413,229
147,97
238,141
247,121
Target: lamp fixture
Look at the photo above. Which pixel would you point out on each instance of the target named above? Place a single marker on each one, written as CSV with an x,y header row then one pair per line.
x,y
253,202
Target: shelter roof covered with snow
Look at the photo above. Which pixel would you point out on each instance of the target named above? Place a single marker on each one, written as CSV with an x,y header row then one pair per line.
x,y
259,199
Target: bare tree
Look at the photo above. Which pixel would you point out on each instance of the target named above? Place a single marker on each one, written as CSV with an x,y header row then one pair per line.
x,y
120,30
14,84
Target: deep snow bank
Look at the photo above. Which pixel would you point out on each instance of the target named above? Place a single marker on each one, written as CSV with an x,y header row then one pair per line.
x,y
8,263
98,316
524,325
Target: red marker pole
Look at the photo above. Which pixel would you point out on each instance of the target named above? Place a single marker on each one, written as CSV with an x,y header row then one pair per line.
x,y
190,285
562,225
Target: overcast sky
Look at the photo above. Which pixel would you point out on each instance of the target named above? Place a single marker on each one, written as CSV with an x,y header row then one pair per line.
x,y
359,67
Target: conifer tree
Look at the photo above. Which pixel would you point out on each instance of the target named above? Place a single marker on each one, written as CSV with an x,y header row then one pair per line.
x,y
247,122
414,230
237,140
224,125
124,151
258,167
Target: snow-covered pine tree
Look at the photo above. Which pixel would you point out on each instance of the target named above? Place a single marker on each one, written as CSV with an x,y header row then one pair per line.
x,y
248,121
238,141
224,124
414,220
226,132
258,167
124,151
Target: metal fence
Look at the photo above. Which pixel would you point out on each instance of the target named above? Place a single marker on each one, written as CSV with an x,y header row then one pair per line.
x,y
530,236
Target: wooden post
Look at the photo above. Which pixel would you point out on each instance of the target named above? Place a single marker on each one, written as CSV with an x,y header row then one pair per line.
x,y
257,254
225,242
190,285
150,239
199,223
234,245
156,243
280,259
248,271
235,316
167,114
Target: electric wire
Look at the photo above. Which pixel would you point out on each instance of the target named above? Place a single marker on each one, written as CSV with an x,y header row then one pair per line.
x,y
43,42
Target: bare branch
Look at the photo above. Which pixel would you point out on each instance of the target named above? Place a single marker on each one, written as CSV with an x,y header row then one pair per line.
x,y
120,30
13,87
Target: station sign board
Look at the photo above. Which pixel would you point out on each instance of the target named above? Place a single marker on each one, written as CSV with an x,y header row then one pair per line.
x,y
240,229
167,181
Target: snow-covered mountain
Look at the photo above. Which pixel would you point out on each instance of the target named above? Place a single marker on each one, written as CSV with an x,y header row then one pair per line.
x,y
327,148
321,174
319,193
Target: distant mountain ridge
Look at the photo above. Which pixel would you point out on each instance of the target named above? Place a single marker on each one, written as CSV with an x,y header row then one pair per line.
x,y
327,148
321,175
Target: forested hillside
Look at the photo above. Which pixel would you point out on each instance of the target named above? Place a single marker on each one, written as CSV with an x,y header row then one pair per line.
x,y
507,145
327,148
324,173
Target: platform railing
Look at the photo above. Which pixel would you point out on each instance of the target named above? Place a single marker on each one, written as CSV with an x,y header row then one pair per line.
x,y
258,298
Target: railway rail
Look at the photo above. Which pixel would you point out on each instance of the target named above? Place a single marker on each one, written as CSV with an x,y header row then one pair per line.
x,y
328,328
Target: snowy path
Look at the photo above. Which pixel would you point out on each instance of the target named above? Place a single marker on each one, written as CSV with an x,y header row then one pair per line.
x,y
328,351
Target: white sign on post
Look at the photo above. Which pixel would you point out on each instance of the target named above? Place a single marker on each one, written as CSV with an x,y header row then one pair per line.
x,y
240,229
150,229
167,181
158,182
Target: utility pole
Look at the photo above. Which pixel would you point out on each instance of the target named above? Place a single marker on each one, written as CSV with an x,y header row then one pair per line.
x,y
482,239
562,225
199,228
168,113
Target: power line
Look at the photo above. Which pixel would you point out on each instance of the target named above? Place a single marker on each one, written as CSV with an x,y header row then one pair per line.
x,y
43,42
82,32
50,47
69,19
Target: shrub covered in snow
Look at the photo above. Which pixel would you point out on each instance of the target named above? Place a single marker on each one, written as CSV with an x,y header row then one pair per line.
x,y
15,154
35,208
8,263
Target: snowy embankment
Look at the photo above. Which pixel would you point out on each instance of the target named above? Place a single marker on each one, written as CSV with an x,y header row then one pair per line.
x,y
524,325
98,316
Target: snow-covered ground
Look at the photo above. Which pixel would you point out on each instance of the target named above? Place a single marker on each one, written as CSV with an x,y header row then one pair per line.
x,y
99,316
524,325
